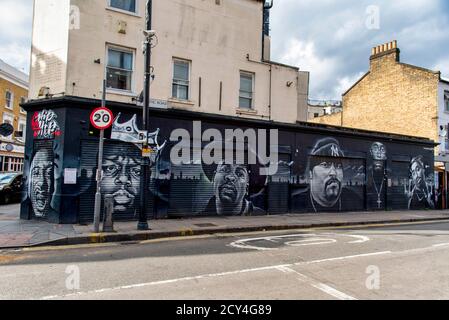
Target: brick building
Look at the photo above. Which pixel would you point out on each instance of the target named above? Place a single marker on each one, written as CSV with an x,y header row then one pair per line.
x,y
399,98
13,92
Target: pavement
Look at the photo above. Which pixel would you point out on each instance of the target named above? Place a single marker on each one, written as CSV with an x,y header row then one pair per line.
x,y
16,233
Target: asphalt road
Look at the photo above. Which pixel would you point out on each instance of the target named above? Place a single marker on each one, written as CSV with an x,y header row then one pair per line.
x,y
387,262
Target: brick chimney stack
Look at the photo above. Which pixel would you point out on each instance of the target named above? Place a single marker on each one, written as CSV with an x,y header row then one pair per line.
x,y
385,52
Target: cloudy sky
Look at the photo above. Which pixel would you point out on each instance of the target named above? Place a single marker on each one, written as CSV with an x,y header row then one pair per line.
x,y
330,38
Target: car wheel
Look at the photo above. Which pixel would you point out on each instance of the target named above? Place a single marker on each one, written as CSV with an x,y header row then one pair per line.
x,y
7,199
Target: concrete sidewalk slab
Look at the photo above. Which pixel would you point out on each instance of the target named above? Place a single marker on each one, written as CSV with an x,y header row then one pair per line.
x,y
18,234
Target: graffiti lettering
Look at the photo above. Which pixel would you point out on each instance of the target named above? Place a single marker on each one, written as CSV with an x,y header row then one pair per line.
x,y
45,125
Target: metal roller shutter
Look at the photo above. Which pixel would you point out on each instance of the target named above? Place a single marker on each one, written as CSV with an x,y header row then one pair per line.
x,y
43,152
121,179
279,187
399,177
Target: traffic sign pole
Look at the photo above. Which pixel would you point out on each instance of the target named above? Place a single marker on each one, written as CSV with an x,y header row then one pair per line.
x,y
101,119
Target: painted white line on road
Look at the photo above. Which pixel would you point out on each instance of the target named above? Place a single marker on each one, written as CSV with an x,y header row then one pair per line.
x,y
440,245
244,243
318,285
361,239
344,258
310,242
208,276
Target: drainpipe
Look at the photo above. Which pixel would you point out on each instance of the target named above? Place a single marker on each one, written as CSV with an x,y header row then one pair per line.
x,y
266,24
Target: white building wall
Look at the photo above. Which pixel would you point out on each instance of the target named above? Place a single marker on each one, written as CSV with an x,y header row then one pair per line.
x,y
49,46
220,40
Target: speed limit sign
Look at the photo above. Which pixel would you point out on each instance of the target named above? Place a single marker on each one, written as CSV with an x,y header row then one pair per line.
x,y
101,118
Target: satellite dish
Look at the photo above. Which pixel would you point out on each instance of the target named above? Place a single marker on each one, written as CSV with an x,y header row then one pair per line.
x,y
6,130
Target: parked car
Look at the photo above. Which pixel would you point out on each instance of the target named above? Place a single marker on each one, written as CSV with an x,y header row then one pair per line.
x,y
11,186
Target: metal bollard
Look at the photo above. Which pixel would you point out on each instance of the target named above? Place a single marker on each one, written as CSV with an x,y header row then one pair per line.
x,y
108,222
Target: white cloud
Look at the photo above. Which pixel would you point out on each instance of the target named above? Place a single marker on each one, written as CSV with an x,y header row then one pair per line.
x,y
304,54
15,32
330,37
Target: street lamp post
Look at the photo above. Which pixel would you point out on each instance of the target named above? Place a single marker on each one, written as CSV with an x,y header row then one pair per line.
x,y
143,216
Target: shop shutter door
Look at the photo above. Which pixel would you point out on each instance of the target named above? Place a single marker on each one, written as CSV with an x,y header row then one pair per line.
x,y
190,191
46,145
278,187
399,176
354,185
121,179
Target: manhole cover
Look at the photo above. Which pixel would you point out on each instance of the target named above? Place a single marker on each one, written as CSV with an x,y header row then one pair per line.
x,y
205,225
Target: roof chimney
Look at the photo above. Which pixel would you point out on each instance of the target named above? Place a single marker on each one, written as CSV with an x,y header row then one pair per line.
x,y
390,48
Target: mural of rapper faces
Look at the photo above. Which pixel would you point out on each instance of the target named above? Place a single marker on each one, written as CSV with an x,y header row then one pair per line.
x,y
379,153
121,177
41,182
419,191
326,174
231,184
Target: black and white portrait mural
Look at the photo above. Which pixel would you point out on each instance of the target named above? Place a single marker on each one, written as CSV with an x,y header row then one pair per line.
x,y
231,191
377,183
43,172
333,182
420,189
121,176
314,170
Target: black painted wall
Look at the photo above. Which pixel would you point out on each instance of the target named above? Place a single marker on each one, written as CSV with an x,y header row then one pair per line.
x,y
321,169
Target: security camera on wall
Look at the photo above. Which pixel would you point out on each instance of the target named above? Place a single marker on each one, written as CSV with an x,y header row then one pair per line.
x,y
149,33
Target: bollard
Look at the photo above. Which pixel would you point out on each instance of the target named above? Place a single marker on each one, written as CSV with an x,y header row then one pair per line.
x,y
108,222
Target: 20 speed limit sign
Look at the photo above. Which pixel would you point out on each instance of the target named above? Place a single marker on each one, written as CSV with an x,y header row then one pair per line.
x,y
101,118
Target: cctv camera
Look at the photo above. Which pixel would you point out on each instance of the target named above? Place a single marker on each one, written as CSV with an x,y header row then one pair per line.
x,y
149,33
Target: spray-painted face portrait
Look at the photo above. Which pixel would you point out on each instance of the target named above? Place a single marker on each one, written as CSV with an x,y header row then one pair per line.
x,y
231,183
326,183
326,172
41,183
379,151
418,172
121,179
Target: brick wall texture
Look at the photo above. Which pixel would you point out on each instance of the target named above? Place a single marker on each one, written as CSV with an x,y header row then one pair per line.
x,y
392,97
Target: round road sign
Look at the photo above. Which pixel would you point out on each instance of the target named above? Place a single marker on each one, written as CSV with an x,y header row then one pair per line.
x,y
101,118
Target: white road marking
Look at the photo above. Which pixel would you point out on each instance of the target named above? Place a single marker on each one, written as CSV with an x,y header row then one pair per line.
x,y
244,243
318,285
209,276
344,258
309,242
440,245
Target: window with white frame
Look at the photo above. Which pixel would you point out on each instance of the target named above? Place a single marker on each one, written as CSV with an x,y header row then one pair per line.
x,y
22,128
446,101
181,79
9,99
120,67
23,100
126,5
246,90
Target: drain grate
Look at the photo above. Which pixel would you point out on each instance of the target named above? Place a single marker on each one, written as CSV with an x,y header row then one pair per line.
x,y
205,225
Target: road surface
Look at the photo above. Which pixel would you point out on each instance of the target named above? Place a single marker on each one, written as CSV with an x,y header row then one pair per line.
x,y
408,261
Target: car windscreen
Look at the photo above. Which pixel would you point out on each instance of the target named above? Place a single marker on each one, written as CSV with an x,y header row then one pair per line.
x,y
6,178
